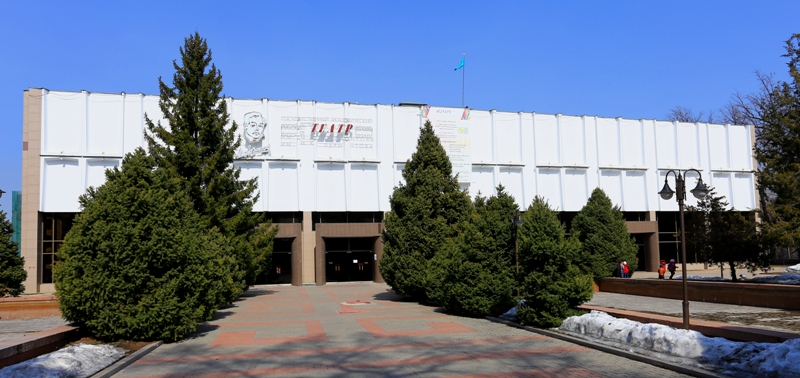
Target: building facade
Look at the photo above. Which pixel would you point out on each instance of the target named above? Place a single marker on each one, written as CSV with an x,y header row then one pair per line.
x,y
325,171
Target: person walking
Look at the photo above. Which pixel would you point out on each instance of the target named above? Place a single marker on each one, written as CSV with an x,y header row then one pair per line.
x,y
671,268
625,270
662,269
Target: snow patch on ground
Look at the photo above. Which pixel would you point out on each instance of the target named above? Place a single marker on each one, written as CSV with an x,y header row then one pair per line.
x,y
81,360
793,269
688,347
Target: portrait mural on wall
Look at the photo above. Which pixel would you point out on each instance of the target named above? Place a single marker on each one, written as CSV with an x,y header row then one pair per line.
x,y
256,142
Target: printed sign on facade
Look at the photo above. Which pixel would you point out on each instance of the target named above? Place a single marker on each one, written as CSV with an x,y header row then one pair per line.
x,y
451,125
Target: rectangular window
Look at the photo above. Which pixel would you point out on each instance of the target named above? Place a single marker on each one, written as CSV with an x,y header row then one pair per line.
x,y
54,228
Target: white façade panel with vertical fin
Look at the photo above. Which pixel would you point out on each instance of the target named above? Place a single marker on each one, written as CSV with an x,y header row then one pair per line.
x,y
632,136
134,126
718,146
104,126
363,182
405,131
548,186
635,191
608,149
64,123
96,171
740,142
665,145
252,170
61,185
507,137
329,144
480,129
482,181
573,141
743,192
546,141
720,183
611,183
363,144
688,145
282,183
575,189
330,189
511,179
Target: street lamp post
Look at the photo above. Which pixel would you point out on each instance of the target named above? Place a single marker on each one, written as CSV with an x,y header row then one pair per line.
x,y
516,221
698,192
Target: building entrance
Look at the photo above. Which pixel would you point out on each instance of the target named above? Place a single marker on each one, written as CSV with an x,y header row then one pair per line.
x,y
349,259
280,271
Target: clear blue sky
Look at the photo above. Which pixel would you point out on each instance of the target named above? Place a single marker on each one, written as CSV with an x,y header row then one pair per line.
x,y
634,59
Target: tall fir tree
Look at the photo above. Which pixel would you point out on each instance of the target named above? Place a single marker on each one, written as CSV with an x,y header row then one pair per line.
x,y
777,150
601,229
137,263
12,266
197,144
725,237
473,273
424,212
553,284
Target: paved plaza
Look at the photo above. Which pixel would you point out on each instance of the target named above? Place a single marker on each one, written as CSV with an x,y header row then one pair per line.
x,y
362,329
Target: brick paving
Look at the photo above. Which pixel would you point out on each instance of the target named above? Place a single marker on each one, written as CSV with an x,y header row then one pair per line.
x,y
14,328
362,329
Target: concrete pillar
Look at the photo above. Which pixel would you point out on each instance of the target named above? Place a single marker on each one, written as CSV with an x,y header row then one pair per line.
x,y
309,243
31,191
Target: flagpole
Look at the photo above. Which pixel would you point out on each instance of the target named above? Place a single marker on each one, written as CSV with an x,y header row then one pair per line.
x,y
463,75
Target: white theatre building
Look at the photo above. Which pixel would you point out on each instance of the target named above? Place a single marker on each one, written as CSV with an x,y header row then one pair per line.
x,y
326,170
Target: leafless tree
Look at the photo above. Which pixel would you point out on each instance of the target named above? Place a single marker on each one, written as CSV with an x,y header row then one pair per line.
x,y
683,114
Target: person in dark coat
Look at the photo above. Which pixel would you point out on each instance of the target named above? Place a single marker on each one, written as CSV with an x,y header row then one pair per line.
x,y
671,268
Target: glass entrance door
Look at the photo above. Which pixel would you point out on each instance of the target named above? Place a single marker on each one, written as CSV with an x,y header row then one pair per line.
x,y
347,259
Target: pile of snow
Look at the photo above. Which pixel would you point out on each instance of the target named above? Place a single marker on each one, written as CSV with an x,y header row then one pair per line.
x,y
784,279
81,360
793,269
687,347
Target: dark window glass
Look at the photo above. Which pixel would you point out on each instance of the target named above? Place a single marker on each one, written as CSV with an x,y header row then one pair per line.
x,y
282,245
284,217
54,228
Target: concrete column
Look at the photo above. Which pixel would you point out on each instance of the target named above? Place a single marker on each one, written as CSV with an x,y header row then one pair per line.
x,y
309,245
31,191
651,246
378,251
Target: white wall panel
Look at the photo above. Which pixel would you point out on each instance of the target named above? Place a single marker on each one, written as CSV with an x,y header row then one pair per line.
x,y
398,175
608,149
548,186
632,136
63,124
405,131
573,140
105,121
96,171
133,128
636,191
512,179
480,129
743,192
545,135
718,147
253,171
153,112
364,194
670,204
507,137
665,145
61,185
611,183
282,183
330,188
363,143
482,181
740,142
720,182
329,145
688,145
575,190
286,132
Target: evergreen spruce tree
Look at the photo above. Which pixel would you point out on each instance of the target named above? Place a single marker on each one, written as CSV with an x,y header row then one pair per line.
x,y
776,115
198,146
425,210
553,283
725,237
12,266
137,263
473,273
602,231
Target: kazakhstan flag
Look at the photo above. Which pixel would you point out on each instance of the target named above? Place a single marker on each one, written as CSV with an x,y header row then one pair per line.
x,y
461,65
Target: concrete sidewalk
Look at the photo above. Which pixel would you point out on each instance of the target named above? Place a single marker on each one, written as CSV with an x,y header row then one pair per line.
x,y
362,329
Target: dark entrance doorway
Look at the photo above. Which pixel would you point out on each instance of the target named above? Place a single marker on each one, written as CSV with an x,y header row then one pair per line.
x,y
349,259
280,271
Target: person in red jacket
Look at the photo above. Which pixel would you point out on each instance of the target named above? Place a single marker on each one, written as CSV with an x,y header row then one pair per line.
x,y
662,269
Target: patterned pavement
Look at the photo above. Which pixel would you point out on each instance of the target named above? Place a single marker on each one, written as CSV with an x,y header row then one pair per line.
x,y
362,329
